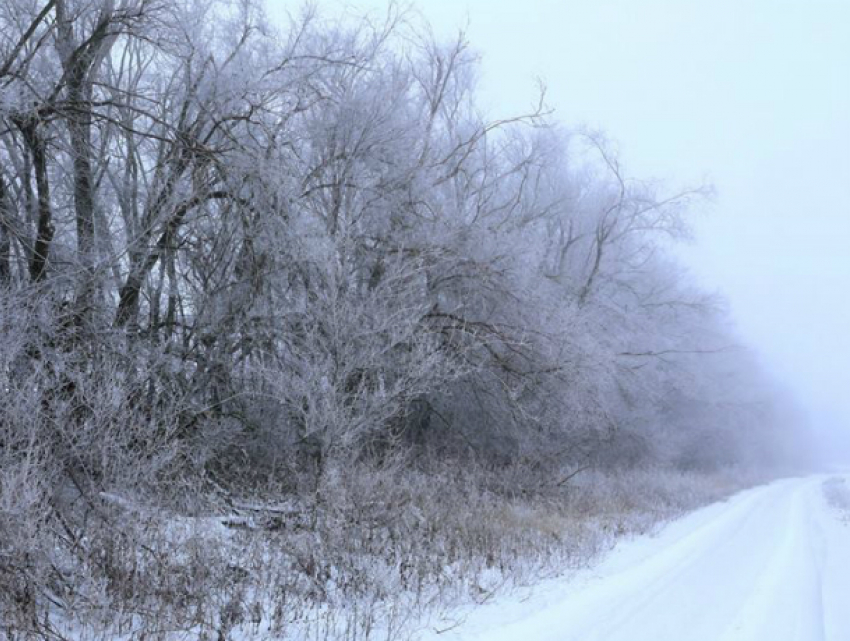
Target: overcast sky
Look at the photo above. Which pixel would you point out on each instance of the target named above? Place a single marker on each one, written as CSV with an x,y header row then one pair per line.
x,y
753,95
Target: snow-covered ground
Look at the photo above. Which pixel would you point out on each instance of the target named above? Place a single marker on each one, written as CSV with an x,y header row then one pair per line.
x,y
769,564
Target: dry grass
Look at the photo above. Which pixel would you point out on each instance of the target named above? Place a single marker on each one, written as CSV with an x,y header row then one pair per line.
x,y
837,493
366,558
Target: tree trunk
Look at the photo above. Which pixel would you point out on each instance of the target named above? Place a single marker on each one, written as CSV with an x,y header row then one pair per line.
x,y
5,241
79,127
44,229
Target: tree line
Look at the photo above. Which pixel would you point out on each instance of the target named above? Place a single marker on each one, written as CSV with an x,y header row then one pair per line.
x,y
236,257
240,245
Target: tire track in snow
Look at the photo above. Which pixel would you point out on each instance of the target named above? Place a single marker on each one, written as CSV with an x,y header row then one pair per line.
x,y
785,599
652,585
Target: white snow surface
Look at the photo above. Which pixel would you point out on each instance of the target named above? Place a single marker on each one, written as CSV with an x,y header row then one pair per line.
x,y
769,564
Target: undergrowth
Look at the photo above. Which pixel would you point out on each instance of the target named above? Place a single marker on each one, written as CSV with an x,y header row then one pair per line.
x,y
367,555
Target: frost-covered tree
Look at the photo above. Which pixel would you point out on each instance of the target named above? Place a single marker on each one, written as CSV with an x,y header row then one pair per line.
x,y
228,251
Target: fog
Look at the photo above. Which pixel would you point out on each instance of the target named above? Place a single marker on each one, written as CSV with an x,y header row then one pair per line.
x,y
753,97
335,321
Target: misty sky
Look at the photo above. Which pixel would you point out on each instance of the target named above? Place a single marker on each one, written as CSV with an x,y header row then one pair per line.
x,y
752,95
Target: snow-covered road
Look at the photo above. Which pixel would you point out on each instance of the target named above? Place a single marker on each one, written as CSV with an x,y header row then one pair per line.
x,y
770,564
